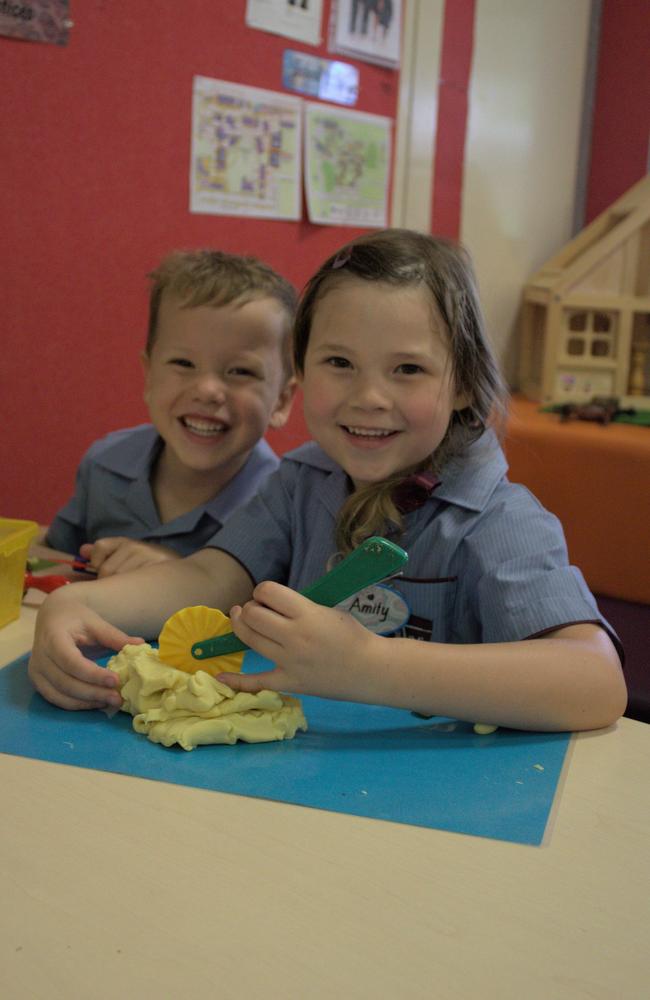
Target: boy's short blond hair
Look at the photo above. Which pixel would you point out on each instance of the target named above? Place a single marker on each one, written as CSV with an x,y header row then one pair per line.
x,y
215,278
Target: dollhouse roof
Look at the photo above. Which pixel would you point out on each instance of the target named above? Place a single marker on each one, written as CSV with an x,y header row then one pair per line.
x,y
610,257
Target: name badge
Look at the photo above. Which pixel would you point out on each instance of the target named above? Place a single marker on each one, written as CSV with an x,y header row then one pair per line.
x,y
380,609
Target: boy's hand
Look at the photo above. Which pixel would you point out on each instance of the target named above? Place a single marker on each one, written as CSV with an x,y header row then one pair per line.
x,y
109,556
318,651
57,668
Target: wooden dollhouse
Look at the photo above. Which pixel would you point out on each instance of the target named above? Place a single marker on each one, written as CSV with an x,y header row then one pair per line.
x,y
586,313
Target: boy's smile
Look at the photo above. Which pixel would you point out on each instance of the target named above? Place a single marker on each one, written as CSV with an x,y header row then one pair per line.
x,y
377,381
215,380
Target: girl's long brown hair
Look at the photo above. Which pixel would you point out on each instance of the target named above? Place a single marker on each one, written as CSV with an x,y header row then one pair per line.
x,y
405,258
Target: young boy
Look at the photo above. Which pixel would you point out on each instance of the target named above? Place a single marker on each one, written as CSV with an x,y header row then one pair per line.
x,y
217,373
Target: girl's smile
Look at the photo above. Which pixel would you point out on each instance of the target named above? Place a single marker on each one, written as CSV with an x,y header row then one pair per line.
x,y
365,437
377,382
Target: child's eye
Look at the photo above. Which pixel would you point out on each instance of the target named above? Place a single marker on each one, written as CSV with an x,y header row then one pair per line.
x,y
337,362
181,362
242,372
409,369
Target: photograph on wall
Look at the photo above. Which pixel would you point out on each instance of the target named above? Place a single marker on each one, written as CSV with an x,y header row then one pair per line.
x,y
298,19
36,20
347,163
246,148
324,78
367,29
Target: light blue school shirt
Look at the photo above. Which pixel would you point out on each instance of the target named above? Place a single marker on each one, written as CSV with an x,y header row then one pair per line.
x,y
487,563
113,496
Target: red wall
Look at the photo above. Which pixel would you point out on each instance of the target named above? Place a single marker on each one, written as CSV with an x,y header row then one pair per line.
x,y
451,127
621,122
94,151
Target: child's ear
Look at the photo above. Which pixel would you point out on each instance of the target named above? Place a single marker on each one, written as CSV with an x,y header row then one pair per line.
x,y
461,401
282,408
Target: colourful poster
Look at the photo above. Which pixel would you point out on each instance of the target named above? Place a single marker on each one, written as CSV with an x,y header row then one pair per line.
x,y
347,161
35,20
245,156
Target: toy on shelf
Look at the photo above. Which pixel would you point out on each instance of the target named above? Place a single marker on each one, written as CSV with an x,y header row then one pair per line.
x,y
586,312
600,410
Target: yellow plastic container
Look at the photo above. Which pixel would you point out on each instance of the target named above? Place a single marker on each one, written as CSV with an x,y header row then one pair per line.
x,y
15,539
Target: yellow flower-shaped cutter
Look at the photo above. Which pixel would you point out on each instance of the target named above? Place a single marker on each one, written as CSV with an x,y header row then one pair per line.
x,y
189,626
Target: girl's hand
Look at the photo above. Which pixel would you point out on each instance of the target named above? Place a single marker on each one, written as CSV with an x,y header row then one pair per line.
x,y
109,556
318,651
57,668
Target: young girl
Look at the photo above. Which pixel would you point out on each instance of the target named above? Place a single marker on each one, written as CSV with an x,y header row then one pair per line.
x,y
399,387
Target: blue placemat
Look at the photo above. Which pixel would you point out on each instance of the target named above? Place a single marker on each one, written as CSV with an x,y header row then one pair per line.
x,y
381,763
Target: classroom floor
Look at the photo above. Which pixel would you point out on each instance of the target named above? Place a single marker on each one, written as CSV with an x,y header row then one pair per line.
x,y
632,623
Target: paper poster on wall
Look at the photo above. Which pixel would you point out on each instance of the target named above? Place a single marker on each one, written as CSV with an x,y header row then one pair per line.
x,y
35,20
246,146
299,19
367,29
347,160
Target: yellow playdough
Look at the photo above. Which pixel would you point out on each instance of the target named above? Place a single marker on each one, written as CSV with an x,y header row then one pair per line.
x,y
170,706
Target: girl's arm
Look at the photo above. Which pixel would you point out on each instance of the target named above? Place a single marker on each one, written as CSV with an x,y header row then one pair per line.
x,y
135,604
570,679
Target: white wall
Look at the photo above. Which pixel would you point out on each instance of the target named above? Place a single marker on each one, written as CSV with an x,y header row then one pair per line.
x,y
521,155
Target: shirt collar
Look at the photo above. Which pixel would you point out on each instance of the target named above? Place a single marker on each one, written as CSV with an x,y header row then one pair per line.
x,y
467,482
470,481
133,457
262,460
334,490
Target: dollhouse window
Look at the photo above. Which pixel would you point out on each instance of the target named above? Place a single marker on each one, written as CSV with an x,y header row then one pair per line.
x,y
578,322
575,346
590,334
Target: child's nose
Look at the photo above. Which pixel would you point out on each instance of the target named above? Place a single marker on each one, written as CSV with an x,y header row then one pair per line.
x,y
369,394
209,388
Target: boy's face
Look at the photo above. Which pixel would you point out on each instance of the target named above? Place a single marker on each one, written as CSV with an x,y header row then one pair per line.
x,y
214,382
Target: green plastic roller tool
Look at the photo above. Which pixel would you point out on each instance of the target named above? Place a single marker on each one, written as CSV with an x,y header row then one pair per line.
x,y
374,560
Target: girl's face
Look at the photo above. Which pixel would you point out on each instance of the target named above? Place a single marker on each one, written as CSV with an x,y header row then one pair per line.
x,y
377,380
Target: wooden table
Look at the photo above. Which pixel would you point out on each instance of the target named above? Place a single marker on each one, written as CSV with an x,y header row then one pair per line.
x,y
116,886
597,481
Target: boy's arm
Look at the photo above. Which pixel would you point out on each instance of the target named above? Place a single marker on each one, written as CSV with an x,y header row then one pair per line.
x,y
570,679
110,556
114,611
63,536
68,528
